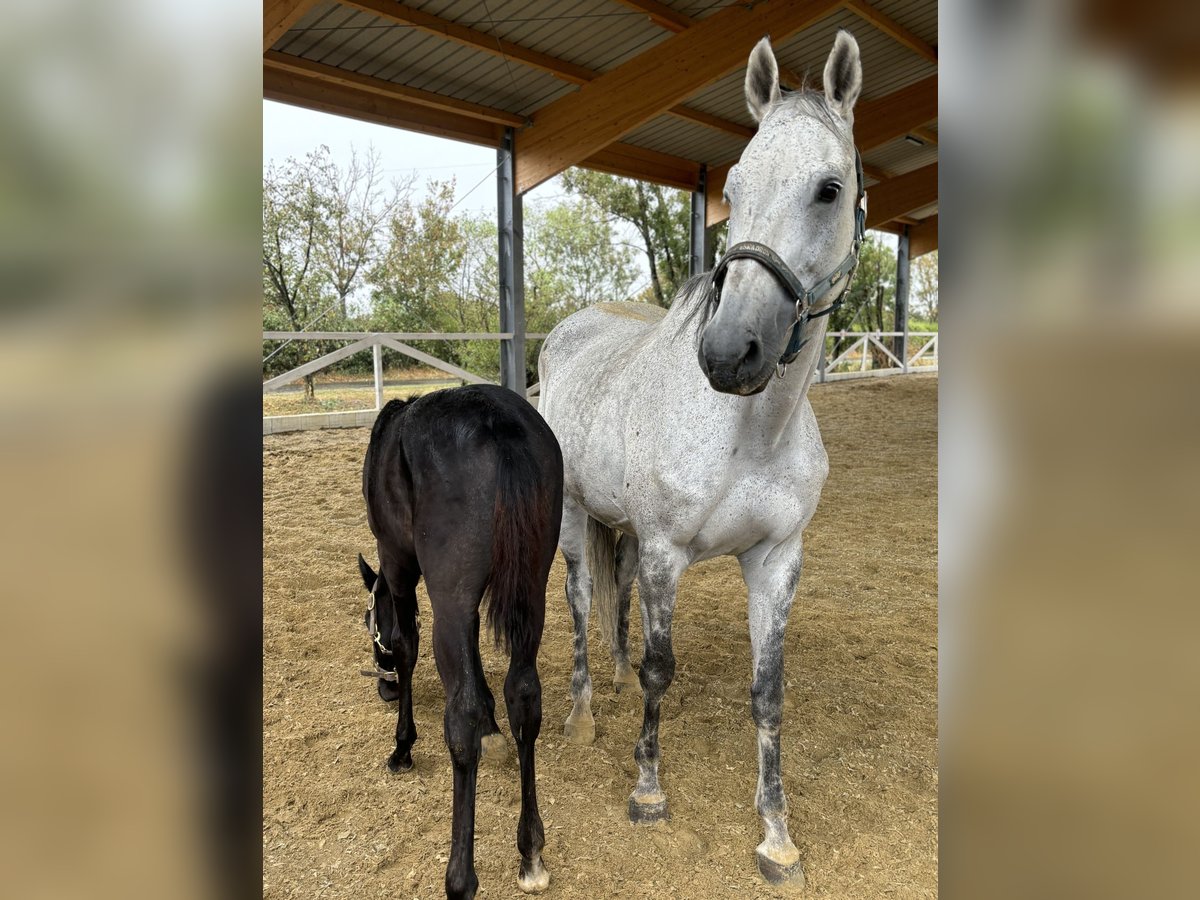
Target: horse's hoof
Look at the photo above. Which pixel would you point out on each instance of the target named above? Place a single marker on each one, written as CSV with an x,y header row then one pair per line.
x,y
580,730
781,874
388,690
399,762
533,878
625,677
649,811
494,747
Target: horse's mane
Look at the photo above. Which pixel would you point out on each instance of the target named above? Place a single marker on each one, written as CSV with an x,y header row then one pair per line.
x,y
813,102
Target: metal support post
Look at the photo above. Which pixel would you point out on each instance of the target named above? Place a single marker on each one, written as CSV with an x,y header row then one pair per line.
x,y
699,236
512,268
902,278
377,353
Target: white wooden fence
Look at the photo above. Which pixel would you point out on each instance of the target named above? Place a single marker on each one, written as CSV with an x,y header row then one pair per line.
x,y
853,360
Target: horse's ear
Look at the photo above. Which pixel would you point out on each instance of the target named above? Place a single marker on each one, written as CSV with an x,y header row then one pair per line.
x,y
368,574
762,79
843,75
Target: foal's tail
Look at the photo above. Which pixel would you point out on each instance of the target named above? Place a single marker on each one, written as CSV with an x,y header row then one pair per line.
x,y
520,521
601,542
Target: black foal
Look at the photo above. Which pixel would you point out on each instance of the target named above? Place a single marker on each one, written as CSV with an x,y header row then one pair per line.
x,y
465,488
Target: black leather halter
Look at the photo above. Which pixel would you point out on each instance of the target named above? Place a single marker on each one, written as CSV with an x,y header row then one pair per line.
x,y
804,297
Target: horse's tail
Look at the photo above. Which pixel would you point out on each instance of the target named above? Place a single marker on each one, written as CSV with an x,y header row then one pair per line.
x,y
601,544
516,588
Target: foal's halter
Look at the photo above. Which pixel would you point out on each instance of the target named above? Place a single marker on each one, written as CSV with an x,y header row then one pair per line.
x,y
377,638
804,297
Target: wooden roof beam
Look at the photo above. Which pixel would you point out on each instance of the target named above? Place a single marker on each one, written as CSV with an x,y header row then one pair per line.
x,y
892,28
279,16
567,131
559,68
923,237
345,97
928,135
902,195
284,62
886,118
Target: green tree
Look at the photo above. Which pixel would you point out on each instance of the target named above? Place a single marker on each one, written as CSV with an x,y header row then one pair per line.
x,y
294,226
924,286
659,215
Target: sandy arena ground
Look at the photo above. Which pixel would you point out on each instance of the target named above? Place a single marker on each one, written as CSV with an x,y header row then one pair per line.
x,y
860,721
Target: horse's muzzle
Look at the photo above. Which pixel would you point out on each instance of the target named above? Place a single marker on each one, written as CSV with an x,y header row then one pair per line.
x,y
735,367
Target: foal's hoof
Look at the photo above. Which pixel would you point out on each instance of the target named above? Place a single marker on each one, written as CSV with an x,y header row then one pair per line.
x,y
399,762
648,810
388,690
625,677
533,878
494,747
580,729
786,872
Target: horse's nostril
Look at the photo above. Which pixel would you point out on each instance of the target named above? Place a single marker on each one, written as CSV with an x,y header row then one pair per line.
x,y
753,355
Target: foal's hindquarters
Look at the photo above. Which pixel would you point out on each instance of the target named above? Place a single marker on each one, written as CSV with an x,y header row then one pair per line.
x,y
464,488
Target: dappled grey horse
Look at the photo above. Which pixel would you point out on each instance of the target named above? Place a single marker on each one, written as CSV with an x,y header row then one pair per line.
x,y
688,434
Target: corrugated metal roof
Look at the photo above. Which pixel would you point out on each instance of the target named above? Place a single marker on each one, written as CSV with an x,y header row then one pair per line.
x,y
601,35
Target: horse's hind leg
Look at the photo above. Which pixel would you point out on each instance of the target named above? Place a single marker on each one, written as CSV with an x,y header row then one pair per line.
x,y
658,576
772,587
627,566
523,694
456,649
580,727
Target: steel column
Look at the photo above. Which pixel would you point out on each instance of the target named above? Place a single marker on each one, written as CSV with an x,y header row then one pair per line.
x,y
699,236
902,278
512,268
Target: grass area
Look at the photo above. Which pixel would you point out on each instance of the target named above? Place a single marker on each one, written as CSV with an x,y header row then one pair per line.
x,y
332,396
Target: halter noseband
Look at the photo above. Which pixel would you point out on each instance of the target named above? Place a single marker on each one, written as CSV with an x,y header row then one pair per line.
x,y
804,297
377,638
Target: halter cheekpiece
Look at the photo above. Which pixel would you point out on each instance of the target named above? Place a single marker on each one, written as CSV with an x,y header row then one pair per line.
x,y
804,297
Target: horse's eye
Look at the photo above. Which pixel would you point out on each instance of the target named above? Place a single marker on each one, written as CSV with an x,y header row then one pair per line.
x,y
829,192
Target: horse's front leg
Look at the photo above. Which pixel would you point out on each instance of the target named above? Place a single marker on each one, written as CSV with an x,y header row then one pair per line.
x,y
580,727
771,574
659,569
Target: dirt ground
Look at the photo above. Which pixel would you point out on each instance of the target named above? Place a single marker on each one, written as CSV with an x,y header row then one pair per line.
x,y
860,720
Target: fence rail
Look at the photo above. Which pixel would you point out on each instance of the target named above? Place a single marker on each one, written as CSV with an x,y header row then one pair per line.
x,y
856,360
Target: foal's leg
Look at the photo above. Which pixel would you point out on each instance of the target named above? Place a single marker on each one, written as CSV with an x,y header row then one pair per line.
x,y
404,644
772,586
627,566
523,694
456,649
580,727
658,575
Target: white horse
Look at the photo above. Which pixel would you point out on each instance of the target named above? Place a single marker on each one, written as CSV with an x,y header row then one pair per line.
x,y
688,434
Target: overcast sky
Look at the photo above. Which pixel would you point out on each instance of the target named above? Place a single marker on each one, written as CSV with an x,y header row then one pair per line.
x,y
294,131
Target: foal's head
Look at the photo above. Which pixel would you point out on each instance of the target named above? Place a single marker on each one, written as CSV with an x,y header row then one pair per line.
x,y
794,190
378,620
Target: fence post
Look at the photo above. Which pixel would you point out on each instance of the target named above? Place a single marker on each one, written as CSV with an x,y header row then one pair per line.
x,y
377,354
902,278
699,249
512,268
821,363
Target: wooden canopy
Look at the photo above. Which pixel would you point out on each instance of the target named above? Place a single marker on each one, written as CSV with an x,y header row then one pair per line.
x,y
640,88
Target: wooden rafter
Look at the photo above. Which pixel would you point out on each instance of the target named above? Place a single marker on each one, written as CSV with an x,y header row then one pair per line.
x,y
570,129
892,28
284,62
902,195
923,237
345,98
479,40
279,16
661,14
886,118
